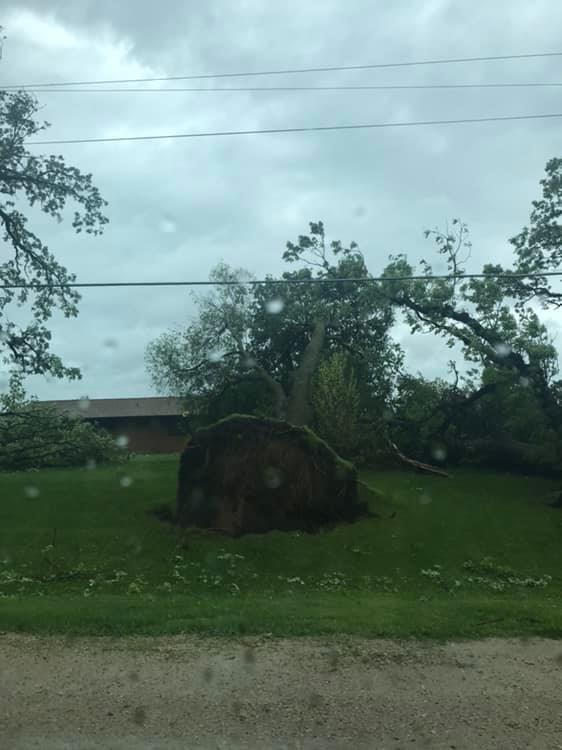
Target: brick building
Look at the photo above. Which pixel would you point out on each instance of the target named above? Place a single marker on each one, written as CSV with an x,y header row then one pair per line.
x,y
151,425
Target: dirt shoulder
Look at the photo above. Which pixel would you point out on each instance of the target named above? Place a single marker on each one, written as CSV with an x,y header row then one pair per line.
x,y
189,692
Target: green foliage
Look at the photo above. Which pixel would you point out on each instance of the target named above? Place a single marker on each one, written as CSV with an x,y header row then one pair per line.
x,y
538,247
34,436
336,404
246,332
46,183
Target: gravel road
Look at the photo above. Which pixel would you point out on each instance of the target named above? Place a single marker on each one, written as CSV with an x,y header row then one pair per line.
x,y
198,693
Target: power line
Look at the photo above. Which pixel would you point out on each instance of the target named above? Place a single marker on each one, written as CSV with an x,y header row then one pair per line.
x,y
286,282
324,69
367,87
268,131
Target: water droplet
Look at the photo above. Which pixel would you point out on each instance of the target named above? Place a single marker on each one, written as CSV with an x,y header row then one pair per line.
x,y
359,212
272,477
249,657
5,558
125,481
31,492
84,403
197,497
274,306
91,464
439,453
249,362
168,226
502,350
215,355
122,441
207,674
314,700
110,343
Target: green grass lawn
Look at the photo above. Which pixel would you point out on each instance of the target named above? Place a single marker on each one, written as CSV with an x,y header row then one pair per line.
x,y
476,555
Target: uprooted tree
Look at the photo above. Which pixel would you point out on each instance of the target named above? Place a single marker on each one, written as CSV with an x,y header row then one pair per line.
x,y
272,338
247,474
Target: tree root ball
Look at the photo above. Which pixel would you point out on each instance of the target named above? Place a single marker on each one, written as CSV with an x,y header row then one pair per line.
x,y
247,474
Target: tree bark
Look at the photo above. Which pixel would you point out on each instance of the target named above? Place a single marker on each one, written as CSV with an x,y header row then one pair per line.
x,y
277,390
298,408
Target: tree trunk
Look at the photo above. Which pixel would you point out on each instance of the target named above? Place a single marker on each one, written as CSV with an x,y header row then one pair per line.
x,y
298,408
279,395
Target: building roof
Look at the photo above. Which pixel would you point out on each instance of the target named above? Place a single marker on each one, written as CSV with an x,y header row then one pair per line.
x,y
103,408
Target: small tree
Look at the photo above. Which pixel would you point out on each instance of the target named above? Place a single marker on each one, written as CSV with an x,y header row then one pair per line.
x,y
34,436
336,404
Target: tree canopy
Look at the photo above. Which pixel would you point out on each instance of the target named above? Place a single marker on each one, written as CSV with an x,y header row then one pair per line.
x,y
31,182
266,341
278,332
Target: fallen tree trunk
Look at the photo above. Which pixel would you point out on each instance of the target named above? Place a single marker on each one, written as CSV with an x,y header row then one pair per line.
x,y
418,465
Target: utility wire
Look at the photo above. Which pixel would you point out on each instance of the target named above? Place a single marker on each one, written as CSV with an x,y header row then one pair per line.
x,y
286,282
367,87
217,133
324,69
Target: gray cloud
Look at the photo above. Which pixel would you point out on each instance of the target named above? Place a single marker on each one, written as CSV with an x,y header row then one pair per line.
x,y
178,207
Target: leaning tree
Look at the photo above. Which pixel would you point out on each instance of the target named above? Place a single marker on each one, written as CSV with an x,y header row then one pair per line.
x,y
275,334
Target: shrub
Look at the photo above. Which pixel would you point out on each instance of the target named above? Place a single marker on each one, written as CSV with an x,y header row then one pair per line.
x,y
34,436
336,404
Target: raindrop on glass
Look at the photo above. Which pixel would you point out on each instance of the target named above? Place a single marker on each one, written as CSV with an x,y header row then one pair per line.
x,y
502,350
207,674
122,441
139,715
31,492
359,212
249,362
249,657
272,477
197,497
110,343
125,481
168,226
84,403
439,453
274,306
215,355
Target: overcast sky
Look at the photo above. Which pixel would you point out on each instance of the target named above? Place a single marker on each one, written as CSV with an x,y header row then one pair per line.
x,y
178,207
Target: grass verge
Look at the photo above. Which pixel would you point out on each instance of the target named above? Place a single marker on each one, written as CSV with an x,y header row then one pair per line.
x,y
474,556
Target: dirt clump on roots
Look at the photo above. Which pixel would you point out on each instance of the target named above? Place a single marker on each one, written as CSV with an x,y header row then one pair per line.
x,y
248,474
